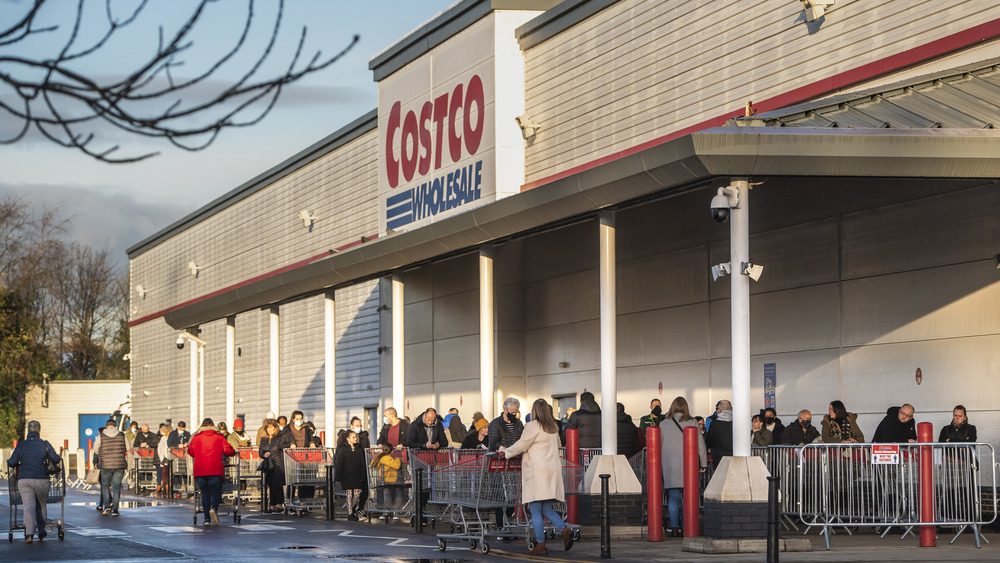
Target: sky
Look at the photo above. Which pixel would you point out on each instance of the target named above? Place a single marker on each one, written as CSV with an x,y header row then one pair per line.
x,y
119,205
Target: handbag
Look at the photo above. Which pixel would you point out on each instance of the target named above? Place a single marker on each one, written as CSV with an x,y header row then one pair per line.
x,y
264,465
52,467
93,477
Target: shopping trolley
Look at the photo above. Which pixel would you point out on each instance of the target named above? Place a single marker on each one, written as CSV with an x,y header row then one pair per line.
x,y
181,470
305,469
250,479
57,494
388,489
424,463
230,505
145,469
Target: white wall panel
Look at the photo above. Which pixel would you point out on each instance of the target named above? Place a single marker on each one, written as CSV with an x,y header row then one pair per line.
x,y
301,356
357,341
566,299
576,343
456,359
658,336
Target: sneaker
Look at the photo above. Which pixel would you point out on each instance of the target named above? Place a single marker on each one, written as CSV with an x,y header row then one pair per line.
x,y
214,516
100,508
115,513
106,511
361,514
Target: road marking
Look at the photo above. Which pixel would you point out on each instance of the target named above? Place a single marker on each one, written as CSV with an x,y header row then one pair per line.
x,y
263,527
177,529
95,532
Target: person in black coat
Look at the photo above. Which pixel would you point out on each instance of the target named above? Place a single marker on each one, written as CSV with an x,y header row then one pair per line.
x,y
772,423
628,434
801,431
351,471
505,429
587,419
898,426
478,437
720,434
271,452
417,437
959,430
393,426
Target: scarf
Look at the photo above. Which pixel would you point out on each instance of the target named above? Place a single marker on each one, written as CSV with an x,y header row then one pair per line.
x,y
725,416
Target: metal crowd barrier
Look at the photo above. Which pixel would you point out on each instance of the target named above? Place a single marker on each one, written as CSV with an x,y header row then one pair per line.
x,y
847,485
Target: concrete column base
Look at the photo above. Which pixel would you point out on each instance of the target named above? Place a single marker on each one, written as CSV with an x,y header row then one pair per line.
x,y
623,479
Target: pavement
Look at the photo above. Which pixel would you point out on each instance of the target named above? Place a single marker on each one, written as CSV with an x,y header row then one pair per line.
x,y
162,530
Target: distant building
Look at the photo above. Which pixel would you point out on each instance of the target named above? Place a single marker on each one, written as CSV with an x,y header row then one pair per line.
x,y
73,411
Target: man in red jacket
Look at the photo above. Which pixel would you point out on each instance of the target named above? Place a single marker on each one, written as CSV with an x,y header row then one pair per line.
x,y
208,449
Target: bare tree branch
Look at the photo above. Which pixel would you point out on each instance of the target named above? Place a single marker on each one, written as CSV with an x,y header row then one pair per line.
x,y
68,106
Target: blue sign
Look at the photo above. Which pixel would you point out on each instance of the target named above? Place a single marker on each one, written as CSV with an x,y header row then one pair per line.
x,y
770,384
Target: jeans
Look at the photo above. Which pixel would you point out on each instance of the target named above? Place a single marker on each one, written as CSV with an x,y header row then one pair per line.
x,y
111,487
211,492
674,497
541,508
34,492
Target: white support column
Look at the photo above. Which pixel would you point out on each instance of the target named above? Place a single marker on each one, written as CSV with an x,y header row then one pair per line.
x,y
275,363
330,364
609,356
230,370
398,345
740,288
201,384
194,383
486,335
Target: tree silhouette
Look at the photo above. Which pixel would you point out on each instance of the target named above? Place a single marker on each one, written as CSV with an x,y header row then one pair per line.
x,y
55,94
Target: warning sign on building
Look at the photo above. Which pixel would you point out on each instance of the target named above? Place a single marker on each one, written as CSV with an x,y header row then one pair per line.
x,y
885,454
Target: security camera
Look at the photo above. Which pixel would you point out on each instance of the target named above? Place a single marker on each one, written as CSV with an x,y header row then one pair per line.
x,y
724,201
180,342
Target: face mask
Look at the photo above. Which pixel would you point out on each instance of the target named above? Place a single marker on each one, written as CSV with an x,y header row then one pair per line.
x,y
768,420
806,423
385,420
357,430
657,411
298,423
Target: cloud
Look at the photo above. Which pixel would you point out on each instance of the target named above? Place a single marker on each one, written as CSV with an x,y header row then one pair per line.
x,y
99,216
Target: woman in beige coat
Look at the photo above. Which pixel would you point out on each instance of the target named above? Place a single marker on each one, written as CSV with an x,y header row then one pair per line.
x,y
541,473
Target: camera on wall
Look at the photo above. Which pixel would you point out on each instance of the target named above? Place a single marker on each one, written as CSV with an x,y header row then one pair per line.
x,y
180,342
725,200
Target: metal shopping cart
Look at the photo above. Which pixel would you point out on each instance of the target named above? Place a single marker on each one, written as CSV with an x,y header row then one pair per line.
x,y
145,469
251,483
424,463
181,471
230,493
305,470
57,494
388,489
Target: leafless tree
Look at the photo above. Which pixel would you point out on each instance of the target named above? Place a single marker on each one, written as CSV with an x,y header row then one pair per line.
x,y
55,94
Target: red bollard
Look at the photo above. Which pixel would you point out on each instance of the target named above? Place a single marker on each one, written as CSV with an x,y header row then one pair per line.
x,y
654,484
15,443
66,444
928,534
90,447
322,436
573,455
692,488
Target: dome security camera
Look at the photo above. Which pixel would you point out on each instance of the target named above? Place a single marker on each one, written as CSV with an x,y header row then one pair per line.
x,y
722,204
180,342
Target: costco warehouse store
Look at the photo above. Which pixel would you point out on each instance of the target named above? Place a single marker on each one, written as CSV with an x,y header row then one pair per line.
x,y
526,213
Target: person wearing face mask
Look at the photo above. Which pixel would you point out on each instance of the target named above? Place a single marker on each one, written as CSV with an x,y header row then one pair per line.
x,y
800,432
841,426
760,436
363,440
297,434
772,423
394,430
654,418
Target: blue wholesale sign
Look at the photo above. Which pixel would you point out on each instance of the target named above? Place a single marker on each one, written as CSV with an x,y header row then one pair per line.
x,y
770,383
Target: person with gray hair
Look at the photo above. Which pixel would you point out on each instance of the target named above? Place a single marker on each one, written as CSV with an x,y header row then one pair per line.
x,y
32,479
506,429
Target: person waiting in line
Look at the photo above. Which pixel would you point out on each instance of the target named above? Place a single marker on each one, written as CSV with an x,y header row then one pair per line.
x,y
541,474
759,435
297,434
800,432
262,431
180,437
162,460
145,438
628,434
712,417
271,451
388,491
427,433
959,430
394,430
282,422
363,440
678,417
654,418
841,426
130,434
238,438
351,472
587,419
772,423
28,459
455,431
478,437
719,437
898,426
208,450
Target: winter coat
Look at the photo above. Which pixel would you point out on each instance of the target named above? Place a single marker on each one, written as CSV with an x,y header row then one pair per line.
x,y
30,455
499,435
110,448
964,432
541,468
762,437
404,432
776,430
831,432
349,467
672,450
891,430
472,441
628,436
388,467
650,420
275,446
587,419
416,438
363,440
720,439
151,439
179,437
237,441
289,437
795,435
209,449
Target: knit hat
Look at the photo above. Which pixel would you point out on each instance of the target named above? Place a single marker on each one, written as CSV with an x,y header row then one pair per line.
x,y
238,424
481,423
